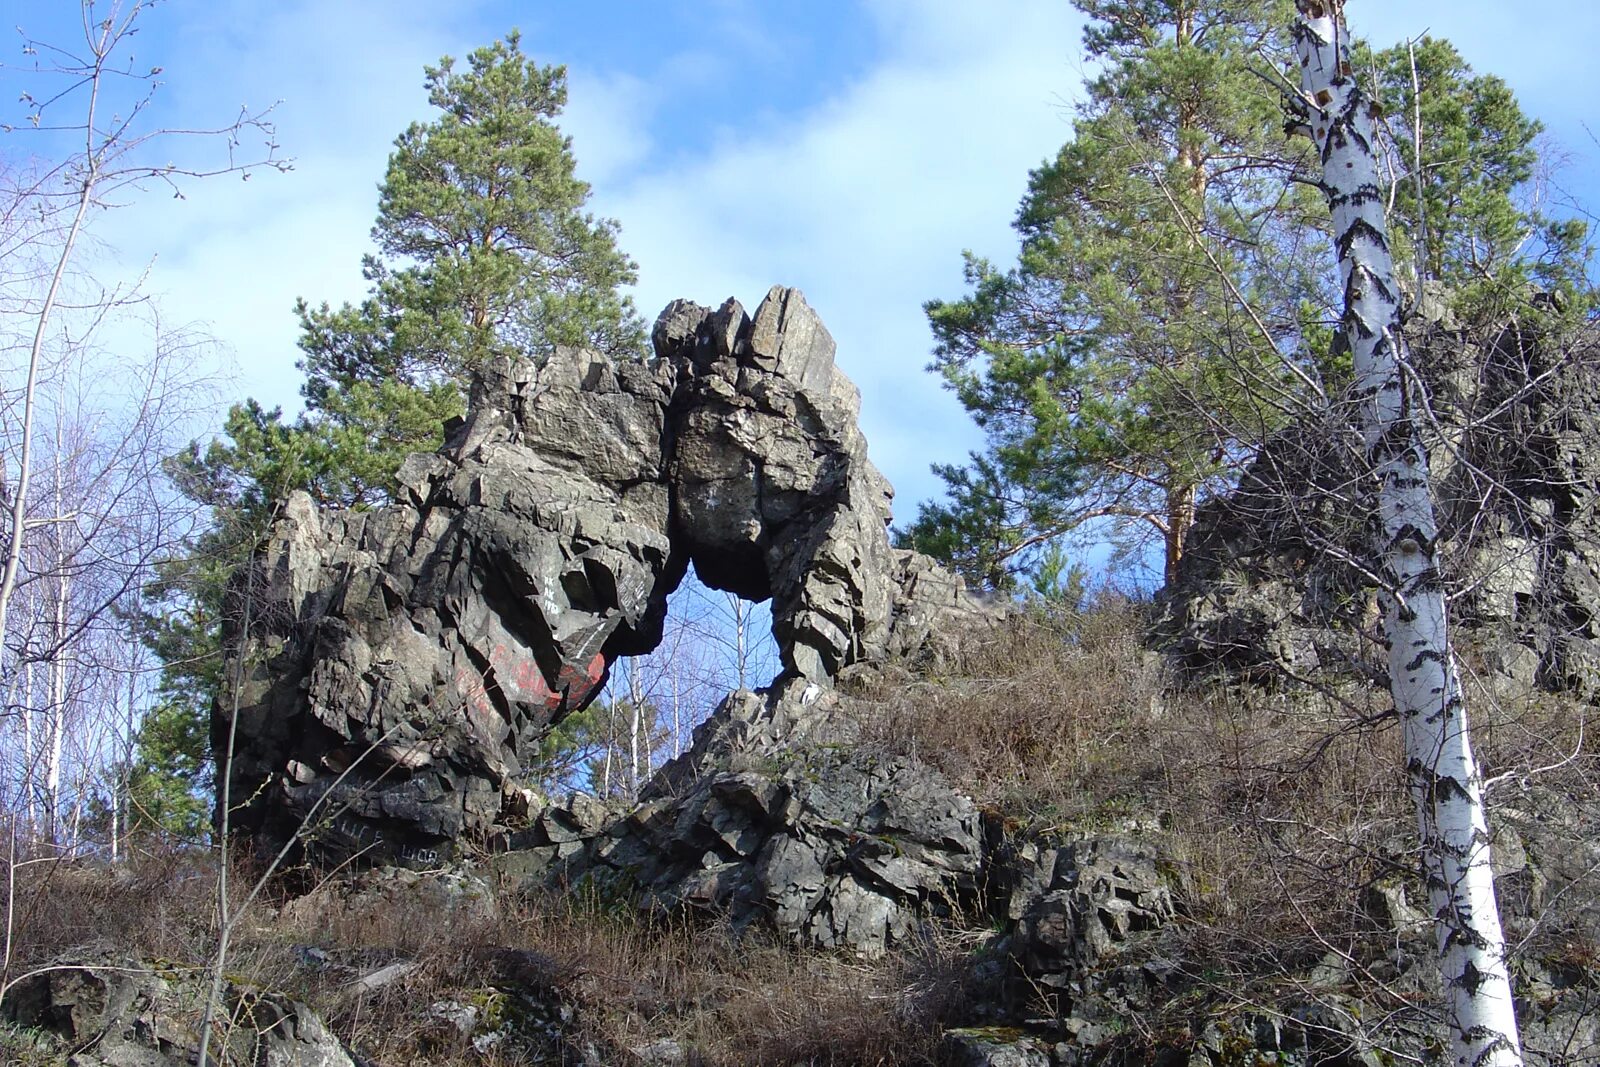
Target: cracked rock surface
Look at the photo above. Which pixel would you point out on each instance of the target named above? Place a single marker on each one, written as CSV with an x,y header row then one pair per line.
x,y
776,816
398,664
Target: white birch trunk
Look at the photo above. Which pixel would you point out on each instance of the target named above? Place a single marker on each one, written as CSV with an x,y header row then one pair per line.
x,y
741,660
677,718
635,717
1442,773
121,802
29,797
611,747
56,706
60,677
18,509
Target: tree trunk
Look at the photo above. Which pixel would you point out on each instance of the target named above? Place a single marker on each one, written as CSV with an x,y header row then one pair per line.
x,y
29,790
59,678
1180,516
635,724
1442,773
56,707
740,649
611,747
677,718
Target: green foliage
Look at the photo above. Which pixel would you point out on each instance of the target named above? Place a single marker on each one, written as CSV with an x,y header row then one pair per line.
x,y
485,248
163,785
1168,308
563,756
169,774
1059,582
1122,366
1477,225
483,251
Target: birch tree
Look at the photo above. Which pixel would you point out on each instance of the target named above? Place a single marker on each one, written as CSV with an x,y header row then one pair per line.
x,y
1423,675
95,386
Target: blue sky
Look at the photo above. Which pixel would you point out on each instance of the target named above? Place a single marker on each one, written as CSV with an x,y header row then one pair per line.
x,y
850,148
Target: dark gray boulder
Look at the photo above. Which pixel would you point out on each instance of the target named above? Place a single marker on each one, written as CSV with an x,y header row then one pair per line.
x,y
776,817
1078,905
399,662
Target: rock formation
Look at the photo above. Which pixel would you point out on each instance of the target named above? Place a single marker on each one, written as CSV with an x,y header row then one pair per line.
x,y
1274,584
398,664
112,1011
776,816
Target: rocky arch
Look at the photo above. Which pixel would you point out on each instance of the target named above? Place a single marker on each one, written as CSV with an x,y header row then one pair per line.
x,y
402,660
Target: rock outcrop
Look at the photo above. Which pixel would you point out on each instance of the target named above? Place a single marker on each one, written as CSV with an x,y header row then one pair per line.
x,y
398,664
775,816
1276,584
119,1012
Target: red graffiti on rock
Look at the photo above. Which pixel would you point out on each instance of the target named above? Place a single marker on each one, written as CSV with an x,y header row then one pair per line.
x,y
579,684
522,680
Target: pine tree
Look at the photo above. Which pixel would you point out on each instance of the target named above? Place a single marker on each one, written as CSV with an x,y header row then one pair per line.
x,y
1467,188
484,246
483,250
1169,308
1119,368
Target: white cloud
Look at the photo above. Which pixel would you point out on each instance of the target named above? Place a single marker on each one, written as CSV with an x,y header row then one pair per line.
x,y
608,117
864,197
234,255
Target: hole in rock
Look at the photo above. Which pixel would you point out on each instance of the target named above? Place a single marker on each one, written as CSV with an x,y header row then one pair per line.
x,y
713,642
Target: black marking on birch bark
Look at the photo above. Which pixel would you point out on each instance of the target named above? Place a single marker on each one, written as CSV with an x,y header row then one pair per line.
x,y
1304,35
1390,443
1458,921
1495,1042
1414,534
1360,229
1355,324
1427,655
1397,480
1464,940
1427,779
1446,788
1365,193
1425,581
1346,122
1327,152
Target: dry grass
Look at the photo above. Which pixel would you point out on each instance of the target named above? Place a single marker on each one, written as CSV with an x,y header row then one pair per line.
x,y
559,973
631,983
1037,724
1284,813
